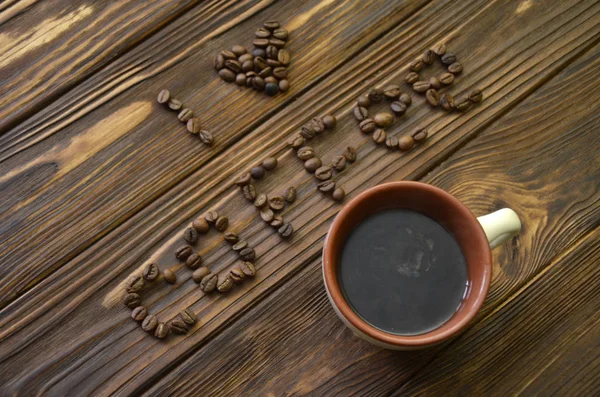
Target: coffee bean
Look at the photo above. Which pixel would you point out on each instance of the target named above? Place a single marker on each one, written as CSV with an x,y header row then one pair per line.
x,y
447,78
271,25
383,119
247,254
405,142
284,85
338,194
261,200
416,65
188,316
391,92
266,72
271,80
149,323
151,272
412,78
311,165
317,125
162,331
391,142
286,230
260,64
262,33
250,82
225,283
323,173
139,313
174,104
206,137
284,57
447,102
219,62
269,163
247,66
134,284
271,89
261,43
360,113
200,225
276,203
363,101
307,132
435,82
190,235
248,269
439,49
475,96
297,142
398,108
222,223
273,63
231,237
305,153
240,245
329,121
132,300
249,192
211,216
433,97
280,72
193,125
462,104
178,327
185,115
257,172
258,52
276,42
428,57
208,283
376,95
183,252
258,83
200,273
379,136
290,194
237,275
280,33
245,57
277,221
455,68
350,154
419,134
367,126
227,75
421,86
271,52
228,54
266,214
163,96
193,261
234,65
326,186
169,276
405,99
448,58
338,163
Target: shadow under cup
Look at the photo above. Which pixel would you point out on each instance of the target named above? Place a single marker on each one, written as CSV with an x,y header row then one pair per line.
x,y
445,210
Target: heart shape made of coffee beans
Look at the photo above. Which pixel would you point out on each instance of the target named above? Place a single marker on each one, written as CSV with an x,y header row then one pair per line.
x,y
264,68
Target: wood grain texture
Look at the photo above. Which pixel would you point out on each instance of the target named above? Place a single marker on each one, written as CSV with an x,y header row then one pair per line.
x,y
72,313
564,216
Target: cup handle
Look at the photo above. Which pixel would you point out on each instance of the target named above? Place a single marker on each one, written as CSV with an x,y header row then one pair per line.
x,y
499,226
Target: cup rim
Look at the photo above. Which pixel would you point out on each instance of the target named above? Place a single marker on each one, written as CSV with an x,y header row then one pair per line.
x,y
343,307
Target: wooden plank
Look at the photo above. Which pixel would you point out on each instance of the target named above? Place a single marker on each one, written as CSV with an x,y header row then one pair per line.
x,y
296,326
50,47
86,290
92,174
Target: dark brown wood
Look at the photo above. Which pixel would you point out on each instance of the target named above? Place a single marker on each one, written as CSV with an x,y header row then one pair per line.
x,y
104,180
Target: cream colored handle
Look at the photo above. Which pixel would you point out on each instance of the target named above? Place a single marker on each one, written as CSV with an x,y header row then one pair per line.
x,y
499,226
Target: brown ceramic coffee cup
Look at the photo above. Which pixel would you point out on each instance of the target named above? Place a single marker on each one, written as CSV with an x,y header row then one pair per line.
x,y
475,236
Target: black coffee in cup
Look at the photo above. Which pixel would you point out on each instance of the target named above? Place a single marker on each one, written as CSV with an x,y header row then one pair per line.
x,y
402,272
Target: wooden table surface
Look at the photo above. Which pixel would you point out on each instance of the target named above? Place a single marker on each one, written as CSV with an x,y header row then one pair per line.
x,y
97,179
